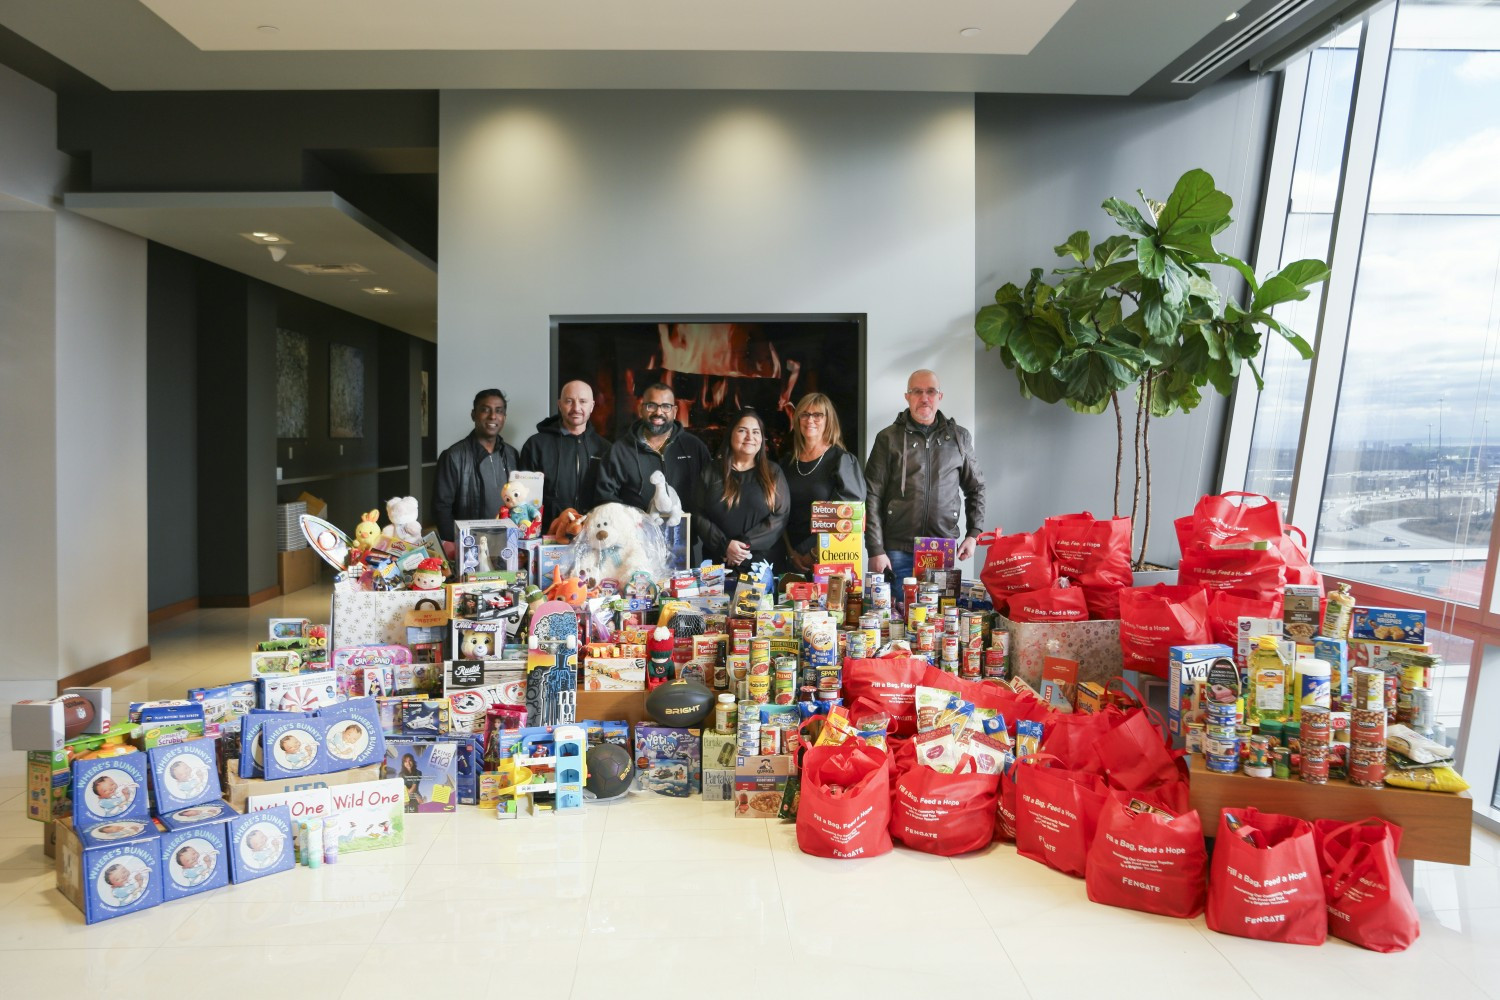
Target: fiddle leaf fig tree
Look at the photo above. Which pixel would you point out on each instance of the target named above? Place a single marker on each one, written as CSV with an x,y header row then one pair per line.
x,y
1139,312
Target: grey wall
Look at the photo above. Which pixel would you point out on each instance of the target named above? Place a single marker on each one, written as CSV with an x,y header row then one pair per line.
x,y
651,203
172,424
1044,164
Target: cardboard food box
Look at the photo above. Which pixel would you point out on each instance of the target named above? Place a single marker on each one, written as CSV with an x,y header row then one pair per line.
x,y
760,784
1389,624
1094,644
1187,665
240,789
718,784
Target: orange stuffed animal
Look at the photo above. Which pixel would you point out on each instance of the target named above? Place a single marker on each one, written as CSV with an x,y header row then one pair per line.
x,y
571,590
566,526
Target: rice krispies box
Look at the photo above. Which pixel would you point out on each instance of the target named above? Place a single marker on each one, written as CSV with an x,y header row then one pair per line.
x,y
109,879
194,860
185,774
260,844
668,761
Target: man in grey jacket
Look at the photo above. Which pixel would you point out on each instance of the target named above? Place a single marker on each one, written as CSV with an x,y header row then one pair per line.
x,y
919,469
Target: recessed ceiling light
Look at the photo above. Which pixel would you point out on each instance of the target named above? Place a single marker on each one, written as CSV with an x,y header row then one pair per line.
x,y
1234,15
969,32
260,236
377,290
264,238
269,29
271,239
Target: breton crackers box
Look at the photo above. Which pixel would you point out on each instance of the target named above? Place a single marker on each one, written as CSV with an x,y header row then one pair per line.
x,y
260,844
109,879
668,761
194,860
185,774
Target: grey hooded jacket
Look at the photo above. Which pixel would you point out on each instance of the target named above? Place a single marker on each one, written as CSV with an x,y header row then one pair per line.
x,y
916,481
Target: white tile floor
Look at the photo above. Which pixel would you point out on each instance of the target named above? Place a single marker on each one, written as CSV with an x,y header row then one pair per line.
x,y
662,897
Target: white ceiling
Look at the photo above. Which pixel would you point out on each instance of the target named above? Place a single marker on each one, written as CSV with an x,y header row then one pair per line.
x,y
322,229
1108,47
1005,26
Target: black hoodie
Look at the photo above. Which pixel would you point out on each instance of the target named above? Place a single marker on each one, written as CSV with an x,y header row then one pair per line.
x,y
570,463
625,473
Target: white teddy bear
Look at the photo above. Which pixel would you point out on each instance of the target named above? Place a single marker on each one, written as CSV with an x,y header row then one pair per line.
x,y
616,541
404,523
666,505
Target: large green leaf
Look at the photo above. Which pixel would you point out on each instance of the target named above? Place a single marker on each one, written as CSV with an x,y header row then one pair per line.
x,y
1006,293
994,324
1088,409
1109,313
1175,281
1305,272
1289,284
1303,348
1245,270
1088,377
1221,373
1128,216
1204,289
1149,258
1112,249
1110,274
1076,246
1042,385
1194,204
1036,344
1160,317
1194,244
1213,340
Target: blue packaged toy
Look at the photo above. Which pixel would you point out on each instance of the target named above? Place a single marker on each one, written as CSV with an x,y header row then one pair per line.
x,y
468,762
354,734
251,764
185,774
110,880
194,860
291,748
260,844
109,799
668,760
199,815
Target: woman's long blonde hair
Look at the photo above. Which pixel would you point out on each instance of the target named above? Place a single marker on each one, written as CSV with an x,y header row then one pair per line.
x,y
831,430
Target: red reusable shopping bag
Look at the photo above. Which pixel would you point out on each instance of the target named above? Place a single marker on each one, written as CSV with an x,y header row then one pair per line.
x,y
1250,572
1299,568
1103,602
1218,520
1225,609
889,682
1051,604
1368,902
1074,738
1154,619
1148,861
1264,881
944,814
845,810
1057,811
1089,551
1014,564
1136,753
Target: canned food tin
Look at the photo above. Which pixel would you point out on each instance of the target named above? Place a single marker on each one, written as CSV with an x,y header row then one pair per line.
x,y
1258,770
1367,727
926,639
1316,731
1213,747
1281,762
948,666
1194,738
770,740
950,647
1222,765
1424,707
760,688
1260,754
858,645
1315,766
786,670
994,668
970,667
1218,732
791,740
1367,767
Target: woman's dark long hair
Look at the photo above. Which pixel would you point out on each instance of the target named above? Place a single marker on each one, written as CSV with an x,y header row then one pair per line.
x,y
765,473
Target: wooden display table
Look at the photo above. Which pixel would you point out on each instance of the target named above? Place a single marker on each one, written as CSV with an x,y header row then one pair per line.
x,y
611,706
1435,826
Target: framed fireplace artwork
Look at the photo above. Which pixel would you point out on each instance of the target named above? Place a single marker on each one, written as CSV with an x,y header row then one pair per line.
x,y
716,367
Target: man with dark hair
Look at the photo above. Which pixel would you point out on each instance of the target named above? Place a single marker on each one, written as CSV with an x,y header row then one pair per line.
x,y
655,442
568,452
471,473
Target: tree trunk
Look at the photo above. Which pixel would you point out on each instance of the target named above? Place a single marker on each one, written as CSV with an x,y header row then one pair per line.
x,y
1146,452
1135,497
1114,400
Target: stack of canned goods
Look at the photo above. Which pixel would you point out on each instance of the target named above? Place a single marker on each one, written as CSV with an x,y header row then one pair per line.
x,y
1314,737
779,734
997,657
1221,740
1367,721
877,595
747,729
784,681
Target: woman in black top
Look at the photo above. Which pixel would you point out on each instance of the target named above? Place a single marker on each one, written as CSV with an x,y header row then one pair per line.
x,y
817,468
741,506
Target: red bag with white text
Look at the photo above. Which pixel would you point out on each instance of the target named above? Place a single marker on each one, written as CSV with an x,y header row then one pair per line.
x,y
1091,552
1264,881
944,814
1368,902
1052,604
1299,567
845,809
1154,619
1103,602
1014,564
1249,572
1057,811
1136,753
1218,520
1225,609
889,682
1148,860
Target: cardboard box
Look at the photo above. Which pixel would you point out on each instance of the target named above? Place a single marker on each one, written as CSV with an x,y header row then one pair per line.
x,y
1300,611
1389,624
371,618
838,517
718,751
668,761
1189,664
614,673
367,816
194,860
39,725
240,789
297,569
260,844
759,784
111,879
1094,644
718,784
49,775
